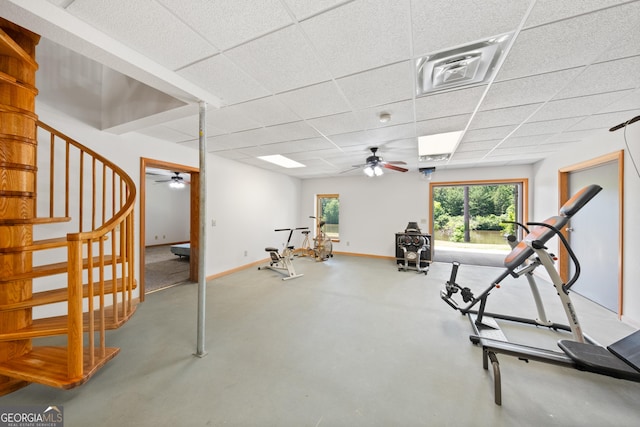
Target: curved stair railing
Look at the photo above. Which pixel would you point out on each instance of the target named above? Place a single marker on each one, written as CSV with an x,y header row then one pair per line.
x,y
99,265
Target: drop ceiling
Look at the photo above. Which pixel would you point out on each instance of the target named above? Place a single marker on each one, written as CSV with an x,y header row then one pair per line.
x,y
309,79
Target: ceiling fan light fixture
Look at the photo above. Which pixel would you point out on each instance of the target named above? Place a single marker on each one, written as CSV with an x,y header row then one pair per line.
x,y
373,170
176,184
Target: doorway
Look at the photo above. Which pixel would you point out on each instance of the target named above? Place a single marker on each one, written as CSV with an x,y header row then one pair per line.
x,y
191,209
595,234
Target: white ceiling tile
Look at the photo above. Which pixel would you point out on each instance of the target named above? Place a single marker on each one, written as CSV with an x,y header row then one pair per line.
x,y
229,120
292,131
361,35
383,85
444,104
537,50
437,25
544,127
391,133
327,100
477,146
627,102
147,27
626,44
606,120
350,139
191,126
487,134
576,107
524,141
230,83
267,111
337,123
400,112
229,23
527,90
305,8
298,146
605,77
469,155
545,11
281,61
442,125
569,136
502,116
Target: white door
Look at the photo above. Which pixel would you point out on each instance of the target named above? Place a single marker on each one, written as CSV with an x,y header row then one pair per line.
x,y
593,235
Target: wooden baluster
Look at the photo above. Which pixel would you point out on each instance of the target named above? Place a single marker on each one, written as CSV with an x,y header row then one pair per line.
x,y
74,310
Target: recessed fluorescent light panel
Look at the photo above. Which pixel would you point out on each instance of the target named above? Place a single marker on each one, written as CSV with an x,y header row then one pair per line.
x,y
439,146
461,66
283,161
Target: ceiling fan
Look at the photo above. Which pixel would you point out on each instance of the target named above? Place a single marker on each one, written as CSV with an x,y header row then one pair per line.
x,y
175,181
374,164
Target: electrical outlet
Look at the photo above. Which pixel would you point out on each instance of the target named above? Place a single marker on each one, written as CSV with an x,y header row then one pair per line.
x,y
245,253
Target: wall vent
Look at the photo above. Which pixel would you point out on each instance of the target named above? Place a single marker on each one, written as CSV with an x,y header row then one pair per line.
x,y
461,66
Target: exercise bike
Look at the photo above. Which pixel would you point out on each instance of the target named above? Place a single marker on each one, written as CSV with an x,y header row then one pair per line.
x,y
322,245
283,262
620,359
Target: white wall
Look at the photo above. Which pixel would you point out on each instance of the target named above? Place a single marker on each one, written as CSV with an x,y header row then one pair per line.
x,y
166,213
546,200
247,203
372,210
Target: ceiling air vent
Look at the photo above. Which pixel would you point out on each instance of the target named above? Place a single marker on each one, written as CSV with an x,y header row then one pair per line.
x,y
465,65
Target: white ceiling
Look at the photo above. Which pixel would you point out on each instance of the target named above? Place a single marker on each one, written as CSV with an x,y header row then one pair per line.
x,y
308,79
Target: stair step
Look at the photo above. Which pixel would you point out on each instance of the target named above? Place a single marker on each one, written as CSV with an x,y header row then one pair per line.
x,y
56,268
58,325
48,365
34,221
8,47
58,242
38,245
61,295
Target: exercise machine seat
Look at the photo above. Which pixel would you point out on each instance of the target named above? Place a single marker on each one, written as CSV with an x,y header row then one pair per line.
x,y
619,360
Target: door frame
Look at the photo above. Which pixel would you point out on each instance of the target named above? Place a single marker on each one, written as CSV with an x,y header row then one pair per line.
x,y
563,196
194,214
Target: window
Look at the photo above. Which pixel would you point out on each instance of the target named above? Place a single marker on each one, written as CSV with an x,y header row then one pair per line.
x,y
475,214
328,210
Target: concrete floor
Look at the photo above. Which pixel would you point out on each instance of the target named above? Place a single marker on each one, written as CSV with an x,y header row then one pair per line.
x,y
353,342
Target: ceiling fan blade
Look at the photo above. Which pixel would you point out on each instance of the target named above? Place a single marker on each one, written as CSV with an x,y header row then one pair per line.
x,y
398,162
395,168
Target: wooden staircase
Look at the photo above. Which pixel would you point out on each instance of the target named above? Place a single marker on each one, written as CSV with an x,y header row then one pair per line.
x,y
77,281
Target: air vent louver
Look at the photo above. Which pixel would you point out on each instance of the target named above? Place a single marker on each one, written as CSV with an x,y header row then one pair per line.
x,y
465,65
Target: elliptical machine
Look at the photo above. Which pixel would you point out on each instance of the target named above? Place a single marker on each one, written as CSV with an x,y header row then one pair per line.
x,y
283,262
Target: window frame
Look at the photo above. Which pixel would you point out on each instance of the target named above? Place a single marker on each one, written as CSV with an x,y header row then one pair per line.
x,y
318,212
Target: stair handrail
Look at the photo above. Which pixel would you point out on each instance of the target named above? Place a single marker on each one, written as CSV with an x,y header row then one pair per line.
x,y
119,227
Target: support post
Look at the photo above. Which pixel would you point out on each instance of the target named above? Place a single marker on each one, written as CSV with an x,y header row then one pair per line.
x,y
202,277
